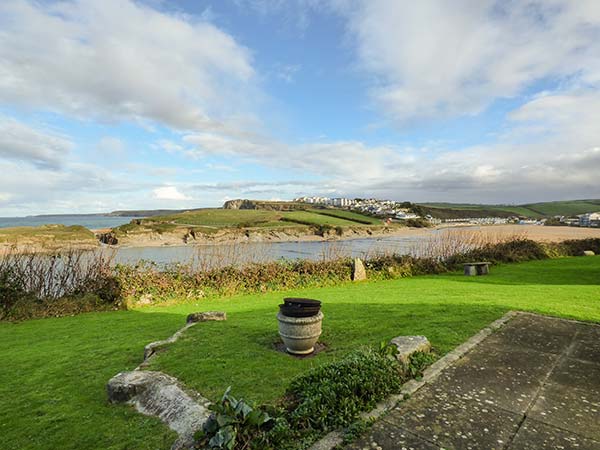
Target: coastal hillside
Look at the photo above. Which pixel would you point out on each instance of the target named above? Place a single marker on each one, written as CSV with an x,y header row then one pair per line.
x,y
222,224
530,210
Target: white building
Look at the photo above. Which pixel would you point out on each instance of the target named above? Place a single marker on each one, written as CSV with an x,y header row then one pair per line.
x,y
589,220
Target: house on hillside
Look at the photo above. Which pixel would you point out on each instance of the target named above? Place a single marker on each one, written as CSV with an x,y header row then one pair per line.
x,y
589,220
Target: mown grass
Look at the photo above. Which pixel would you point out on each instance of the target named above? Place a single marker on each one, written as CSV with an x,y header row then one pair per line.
x,y
54,370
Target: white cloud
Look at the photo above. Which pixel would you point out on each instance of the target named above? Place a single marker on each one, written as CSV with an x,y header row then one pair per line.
x,y
21,142
439,58
169,193
119,60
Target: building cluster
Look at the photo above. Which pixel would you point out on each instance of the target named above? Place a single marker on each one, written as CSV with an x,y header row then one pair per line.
x,y
375,207
589,220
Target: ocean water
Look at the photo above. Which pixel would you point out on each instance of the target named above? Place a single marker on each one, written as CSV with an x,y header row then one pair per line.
x,y
89,221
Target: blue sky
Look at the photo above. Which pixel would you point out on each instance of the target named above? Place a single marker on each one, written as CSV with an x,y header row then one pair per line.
x,y
121,104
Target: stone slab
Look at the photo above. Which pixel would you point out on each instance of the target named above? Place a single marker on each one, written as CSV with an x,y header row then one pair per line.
x,y
537,333
454,421
407,345
160,395
534,435
359,273
578,374
588,350
508,378
575,410
381,437
206,316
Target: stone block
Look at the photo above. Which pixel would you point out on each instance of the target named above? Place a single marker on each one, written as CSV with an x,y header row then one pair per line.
x,y
407,345
359,273
206,316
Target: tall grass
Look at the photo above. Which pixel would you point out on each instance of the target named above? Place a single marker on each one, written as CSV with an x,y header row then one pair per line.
x,y
30,282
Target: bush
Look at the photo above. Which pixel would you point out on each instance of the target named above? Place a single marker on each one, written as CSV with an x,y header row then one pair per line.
x,y
332,395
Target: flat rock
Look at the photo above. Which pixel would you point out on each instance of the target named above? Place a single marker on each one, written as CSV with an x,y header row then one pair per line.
x,y
359,273
588,253
206,316
407,345
160,395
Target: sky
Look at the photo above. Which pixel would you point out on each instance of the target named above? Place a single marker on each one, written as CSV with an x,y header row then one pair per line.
x,y
120,104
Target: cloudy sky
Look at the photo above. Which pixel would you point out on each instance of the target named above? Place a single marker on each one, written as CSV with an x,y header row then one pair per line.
x,y
120,104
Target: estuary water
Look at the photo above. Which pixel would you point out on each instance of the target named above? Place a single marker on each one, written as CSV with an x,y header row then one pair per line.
x,y
207,256
91,221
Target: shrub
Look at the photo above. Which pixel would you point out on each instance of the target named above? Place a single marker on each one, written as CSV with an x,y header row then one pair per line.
x,y
332,395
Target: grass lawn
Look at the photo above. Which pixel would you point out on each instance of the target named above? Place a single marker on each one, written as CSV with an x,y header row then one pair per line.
x,y
54,371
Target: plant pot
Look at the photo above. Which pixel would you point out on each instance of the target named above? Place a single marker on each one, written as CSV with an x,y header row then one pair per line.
x,y
300,334
300,307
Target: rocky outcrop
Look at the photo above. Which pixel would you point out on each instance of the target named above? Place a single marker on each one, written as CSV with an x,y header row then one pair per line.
x,y
107,238
240,204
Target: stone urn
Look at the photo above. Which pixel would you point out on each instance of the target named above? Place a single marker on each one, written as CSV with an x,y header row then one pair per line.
x,y
300,324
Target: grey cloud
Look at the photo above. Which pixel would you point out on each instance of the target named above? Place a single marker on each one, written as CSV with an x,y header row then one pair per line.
x,y
22,142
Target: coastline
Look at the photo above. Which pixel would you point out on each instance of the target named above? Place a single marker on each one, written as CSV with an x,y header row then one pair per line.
x,y
181,238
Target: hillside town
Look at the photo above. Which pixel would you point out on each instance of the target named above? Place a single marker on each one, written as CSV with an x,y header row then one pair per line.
x,y
392,209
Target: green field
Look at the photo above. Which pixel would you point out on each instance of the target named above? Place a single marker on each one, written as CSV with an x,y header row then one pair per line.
x,y
259,218
54,371
46,233
532,210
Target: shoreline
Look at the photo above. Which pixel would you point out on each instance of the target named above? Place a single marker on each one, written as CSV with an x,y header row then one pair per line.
x,y
295,235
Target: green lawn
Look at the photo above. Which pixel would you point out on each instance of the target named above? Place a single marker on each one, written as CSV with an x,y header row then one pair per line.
x,y
54,371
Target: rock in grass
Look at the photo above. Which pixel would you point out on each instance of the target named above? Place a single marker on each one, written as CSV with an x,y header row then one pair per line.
x,y
206,316
160,395
588,253
359,272
407,345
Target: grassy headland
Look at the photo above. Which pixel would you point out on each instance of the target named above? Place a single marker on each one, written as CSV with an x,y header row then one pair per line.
x,y
47,237
531,210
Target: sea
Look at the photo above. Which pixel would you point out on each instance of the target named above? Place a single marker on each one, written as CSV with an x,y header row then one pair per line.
x,y
91,221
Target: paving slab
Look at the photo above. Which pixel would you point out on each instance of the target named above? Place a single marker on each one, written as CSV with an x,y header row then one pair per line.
x,y
455,421
569,407
534,435
577,373
382,437
536,333
534,384
586,349
509,379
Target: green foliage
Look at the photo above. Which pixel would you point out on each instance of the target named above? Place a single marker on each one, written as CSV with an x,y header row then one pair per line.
x,y
233,424
418,362
332,395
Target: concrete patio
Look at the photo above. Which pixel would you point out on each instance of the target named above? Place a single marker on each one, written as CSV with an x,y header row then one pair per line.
x,y
532,385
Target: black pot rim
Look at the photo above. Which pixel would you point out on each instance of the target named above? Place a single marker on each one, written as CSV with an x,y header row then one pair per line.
x,y
301,301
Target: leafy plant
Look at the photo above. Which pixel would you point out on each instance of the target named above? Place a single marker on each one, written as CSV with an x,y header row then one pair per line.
x,y
332,395
232,424
388,350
